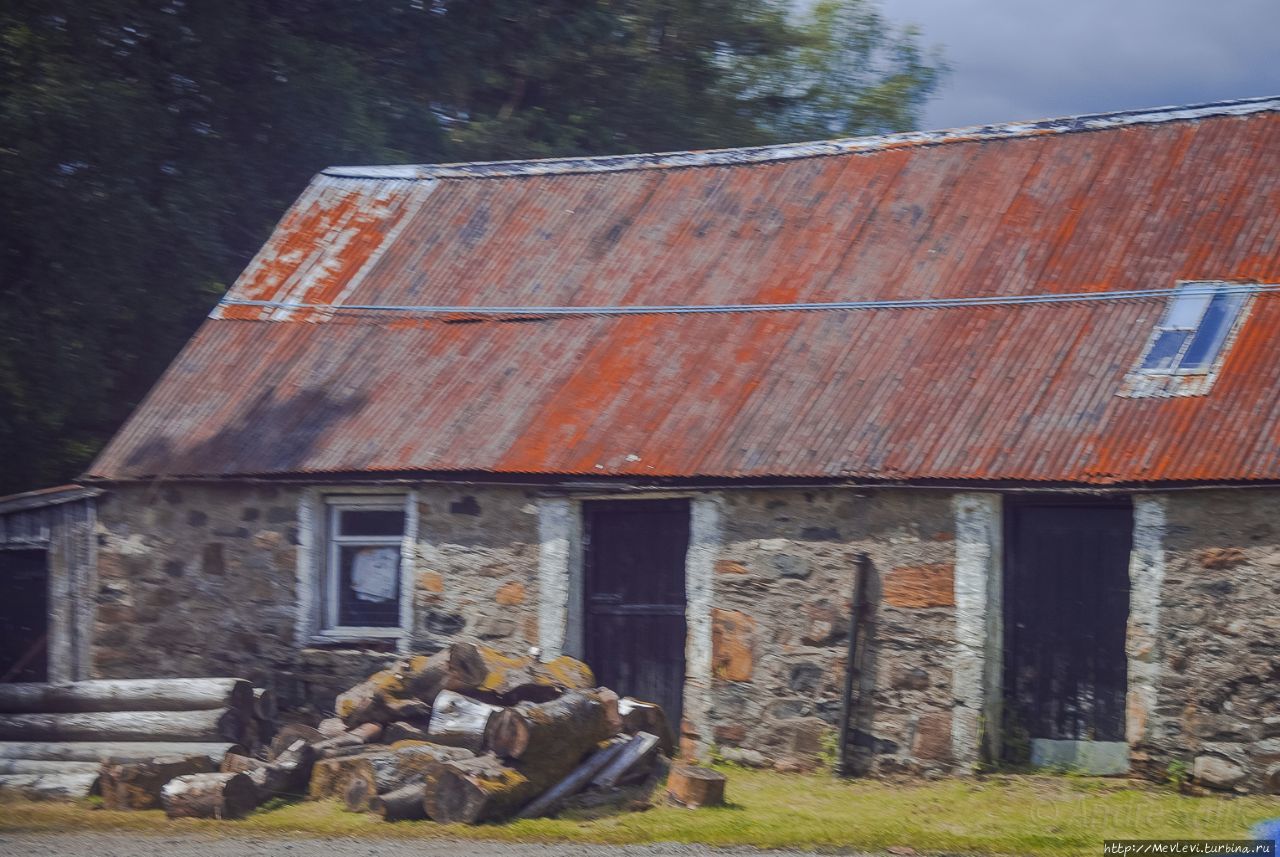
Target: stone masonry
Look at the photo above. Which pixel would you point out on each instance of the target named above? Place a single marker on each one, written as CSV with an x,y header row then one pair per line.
x,y
783,595
1218,705
203,579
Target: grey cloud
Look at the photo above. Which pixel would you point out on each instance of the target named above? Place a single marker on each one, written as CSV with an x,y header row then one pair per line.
x,y
1029,59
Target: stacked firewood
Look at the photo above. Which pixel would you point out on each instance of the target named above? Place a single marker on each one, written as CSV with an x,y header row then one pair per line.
x,y
471,735
465,735
121,736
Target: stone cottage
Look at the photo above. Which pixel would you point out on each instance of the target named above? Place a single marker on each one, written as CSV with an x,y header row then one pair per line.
x,y
665,412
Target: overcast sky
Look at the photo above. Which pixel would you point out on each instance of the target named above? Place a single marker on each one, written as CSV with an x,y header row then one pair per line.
x,y
1033,59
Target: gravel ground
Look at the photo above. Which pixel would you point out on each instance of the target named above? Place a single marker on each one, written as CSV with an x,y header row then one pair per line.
x,y
133,845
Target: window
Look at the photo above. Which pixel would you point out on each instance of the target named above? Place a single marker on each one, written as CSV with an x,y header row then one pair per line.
x,y
362,565
1196,324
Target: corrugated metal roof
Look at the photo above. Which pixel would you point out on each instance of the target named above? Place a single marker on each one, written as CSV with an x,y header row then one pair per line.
x,y
1025,392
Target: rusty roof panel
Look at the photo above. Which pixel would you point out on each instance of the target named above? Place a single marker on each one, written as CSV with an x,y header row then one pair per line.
x,y
301,382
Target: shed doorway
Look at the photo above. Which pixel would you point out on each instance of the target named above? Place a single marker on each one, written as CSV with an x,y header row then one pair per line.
x,y
24,615
1066,609
634,597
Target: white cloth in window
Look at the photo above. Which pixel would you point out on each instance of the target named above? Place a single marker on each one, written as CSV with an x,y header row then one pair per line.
x,y
374,572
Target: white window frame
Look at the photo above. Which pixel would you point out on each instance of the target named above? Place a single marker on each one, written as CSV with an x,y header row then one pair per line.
x,y
1210,289
333,505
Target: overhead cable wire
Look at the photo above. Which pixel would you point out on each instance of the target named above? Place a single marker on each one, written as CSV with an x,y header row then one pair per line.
x,y
844,306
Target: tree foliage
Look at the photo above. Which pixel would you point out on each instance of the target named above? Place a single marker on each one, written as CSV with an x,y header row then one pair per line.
x,y
147,146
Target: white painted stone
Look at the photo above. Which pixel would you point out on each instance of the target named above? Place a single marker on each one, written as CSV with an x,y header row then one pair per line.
x,y
408,566
307,609
976,665
705,539
1146,580
555,527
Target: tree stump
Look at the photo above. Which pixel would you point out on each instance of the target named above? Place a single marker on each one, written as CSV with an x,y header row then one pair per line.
x,y
137,785
693,787
221,795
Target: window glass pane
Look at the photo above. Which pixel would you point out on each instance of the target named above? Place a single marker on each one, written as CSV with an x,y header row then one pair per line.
x,y
1185,311
370,522
1164,351
369,586
1213,331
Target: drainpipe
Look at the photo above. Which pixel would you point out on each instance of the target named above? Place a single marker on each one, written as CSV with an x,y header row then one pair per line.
x,y
853,662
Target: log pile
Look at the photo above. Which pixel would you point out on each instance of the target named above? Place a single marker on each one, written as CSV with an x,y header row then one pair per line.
x,y
125,738
466,735
470,735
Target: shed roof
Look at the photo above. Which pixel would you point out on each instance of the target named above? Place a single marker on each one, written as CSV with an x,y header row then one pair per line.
x,y
975,300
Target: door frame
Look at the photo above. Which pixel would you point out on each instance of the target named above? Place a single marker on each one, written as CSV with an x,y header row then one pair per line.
x,y
46,560
1087,753
561,582
594,572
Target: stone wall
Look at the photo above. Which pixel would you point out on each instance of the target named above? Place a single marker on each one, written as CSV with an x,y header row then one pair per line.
x,y
202,579
196,580
1218,691
783,591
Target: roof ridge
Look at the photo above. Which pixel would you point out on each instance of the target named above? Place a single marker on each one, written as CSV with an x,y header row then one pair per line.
x,y
819,148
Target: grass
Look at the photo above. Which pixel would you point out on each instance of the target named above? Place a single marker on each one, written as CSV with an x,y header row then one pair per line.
x,y
1031,815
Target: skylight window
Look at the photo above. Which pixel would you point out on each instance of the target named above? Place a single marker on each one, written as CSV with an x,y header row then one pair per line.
x,y
1196,324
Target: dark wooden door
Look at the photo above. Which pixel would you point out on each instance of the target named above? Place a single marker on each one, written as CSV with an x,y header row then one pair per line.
x,y
635,597
24,615
1066,610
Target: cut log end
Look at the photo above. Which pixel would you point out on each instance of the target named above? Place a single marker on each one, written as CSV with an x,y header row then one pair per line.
x,y
221,795
402,804
137,785
475,790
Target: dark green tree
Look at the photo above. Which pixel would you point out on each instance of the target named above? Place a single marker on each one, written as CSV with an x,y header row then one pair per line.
x,y
147,146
